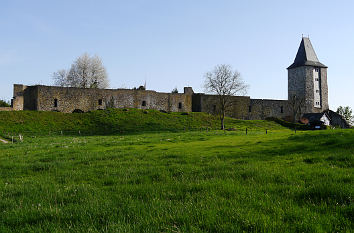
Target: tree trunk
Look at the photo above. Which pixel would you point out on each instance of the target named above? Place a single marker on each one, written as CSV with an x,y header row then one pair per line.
x,y
222,121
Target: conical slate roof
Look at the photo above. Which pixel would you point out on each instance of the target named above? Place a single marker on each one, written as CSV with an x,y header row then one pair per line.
x,y
306,55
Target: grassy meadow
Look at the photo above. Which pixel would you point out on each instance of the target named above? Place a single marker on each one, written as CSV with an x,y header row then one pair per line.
x,y
180,182
117,121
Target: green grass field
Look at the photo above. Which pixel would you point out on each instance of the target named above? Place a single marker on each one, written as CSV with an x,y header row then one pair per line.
x,y
117,121
180,182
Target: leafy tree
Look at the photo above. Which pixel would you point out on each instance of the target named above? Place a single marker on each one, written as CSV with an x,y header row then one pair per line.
x,y
174,91
347,114
224,82
85,72
141,88
4,103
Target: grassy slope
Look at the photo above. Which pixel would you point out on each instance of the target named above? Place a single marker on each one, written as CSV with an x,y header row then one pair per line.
x,y
116,121
174,182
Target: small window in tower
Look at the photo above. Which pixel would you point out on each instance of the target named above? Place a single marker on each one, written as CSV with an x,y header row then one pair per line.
x,y
250,108
143,103
100,102
214,108
180,105
317,69
281,109
55,103
317,91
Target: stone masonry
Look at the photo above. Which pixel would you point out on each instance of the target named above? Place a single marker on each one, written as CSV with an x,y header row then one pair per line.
x,y
307,79
69,99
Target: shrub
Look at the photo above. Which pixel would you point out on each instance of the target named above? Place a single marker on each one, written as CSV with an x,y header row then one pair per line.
x,y
4,103
289,124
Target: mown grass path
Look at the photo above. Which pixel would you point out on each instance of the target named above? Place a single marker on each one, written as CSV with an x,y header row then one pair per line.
x,y
3,141
179,182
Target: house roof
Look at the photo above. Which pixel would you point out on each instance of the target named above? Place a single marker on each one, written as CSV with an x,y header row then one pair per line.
x,y
314,116
334,115
306,55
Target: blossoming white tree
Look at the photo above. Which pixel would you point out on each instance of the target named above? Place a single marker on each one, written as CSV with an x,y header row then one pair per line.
x,y
85,72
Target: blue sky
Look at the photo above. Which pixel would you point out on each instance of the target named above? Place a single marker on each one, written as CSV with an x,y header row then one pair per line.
x,y
170,43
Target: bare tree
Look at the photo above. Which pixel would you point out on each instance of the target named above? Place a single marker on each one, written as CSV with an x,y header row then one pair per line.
x,y
224,82
85,72
296,106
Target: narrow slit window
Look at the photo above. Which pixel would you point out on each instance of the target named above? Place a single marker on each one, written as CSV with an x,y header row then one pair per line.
x,y
55,103
180,105
143,103
250,108
100,102
281,109
214,108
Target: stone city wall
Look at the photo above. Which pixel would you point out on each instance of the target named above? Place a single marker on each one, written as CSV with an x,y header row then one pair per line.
x,y
209,103
243,107
6,109
69,99
263,108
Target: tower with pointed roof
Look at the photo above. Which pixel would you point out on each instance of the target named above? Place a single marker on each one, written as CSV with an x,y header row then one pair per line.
x,y
307,79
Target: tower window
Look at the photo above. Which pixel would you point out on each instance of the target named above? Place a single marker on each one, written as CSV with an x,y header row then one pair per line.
x,y
317,91
100,102
180,105
250,108
214,108
143,103
317,69
281,109
55,103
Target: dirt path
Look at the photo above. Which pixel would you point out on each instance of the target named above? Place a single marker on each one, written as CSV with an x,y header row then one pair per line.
x,y
3,141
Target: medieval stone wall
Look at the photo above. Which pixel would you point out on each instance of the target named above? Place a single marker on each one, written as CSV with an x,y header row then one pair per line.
x,y
6,109
68,99
243,107
263,108
17,102
30,97
209,104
